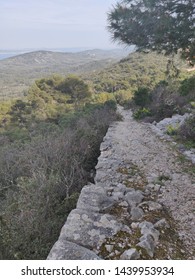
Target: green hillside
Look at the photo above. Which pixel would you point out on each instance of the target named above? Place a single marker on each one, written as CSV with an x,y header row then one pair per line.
x,y
19,72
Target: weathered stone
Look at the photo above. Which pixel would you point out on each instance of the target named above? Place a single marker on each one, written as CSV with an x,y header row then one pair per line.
x,y
133,198
145,225
190,155
109,248
117,196
147,228
94,198
123,204
162,224
89,228
131,254
175,121
134,225
65,250
151,205
147,243
136,213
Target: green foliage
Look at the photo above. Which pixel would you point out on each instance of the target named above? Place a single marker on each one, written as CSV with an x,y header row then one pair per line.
x,y
40,179
142,97
187,131
187,86
165,101
111,105
76,88
165,25
172,130
136,70
123,96
141,113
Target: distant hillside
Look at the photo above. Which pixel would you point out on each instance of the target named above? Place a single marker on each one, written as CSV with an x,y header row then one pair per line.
x,y
135,70
20,71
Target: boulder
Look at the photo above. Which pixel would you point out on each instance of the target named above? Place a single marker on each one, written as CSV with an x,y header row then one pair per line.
x,y
65,250
134,197
131,254
136,213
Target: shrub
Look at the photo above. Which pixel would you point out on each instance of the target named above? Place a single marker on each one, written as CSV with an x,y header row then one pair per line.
x,y
111,105
166,101
142,97
187,86
40,181
141,113
172,130
187,130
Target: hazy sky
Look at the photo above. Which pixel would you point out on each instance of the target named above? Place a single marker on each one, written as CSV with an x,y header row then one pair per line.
x,y
54,23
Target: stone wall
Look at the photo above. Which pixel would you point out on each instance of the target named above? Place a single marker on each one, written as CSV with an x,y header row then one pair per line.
x,y
107,214
127,212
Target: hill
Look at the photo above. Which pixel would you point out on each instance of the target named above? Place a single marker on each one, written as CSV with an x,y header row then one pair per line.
x,y
20,71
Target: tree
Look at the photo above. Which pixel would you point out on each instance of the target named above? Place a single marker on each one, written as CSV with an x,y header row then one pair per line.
x,y
76,88
161,25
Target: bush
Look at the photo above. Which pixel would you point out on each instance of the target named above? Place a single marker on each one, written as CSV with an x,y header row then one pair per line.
x,y
187,131
187,86
172,130
40,181
141,113
166,101
142,97
111,105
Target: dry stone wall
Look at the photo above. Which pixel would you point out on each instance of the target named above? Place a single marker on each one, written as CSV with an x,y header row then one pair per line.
x,y
125,214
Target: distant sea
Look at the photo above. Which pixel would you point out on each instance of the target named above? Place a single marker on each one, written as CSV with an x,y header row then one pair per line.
x,y
6,55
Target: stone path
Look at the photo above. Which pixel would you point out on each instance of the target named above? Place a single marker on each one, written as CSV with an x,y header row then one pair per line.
x,y
141,206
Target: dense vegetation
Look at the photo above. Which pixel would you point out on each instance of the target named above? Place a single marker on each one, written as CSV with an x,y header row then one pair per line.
x,y
165,100
49,148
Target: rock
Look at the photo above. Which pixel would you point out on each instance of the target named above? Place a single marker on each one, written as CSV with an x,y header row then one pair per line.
x,y
94,198
151,205
157,188
134,225
89,229
175,122
147,228
65,250
117,196
147,243
190,155
145,225
123,204
134,197
162,224
121,187
136,213
131,254
109,248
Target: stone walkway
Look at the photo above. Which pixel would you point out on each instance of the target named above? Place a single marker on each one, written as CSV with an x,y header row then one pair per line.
x,y
141,206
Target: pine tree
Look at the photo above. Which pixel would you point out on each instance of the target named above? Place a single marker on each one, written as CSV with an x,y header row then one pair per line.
x,y
160,25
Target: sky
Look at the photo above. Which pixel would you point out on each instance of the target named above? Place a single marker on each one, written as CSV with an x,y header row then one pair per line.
x,y
55,24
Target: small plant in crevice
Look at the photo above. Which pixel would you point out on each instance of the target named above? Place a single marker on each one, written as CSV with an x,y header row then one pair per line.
x,y
141,113
172,130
